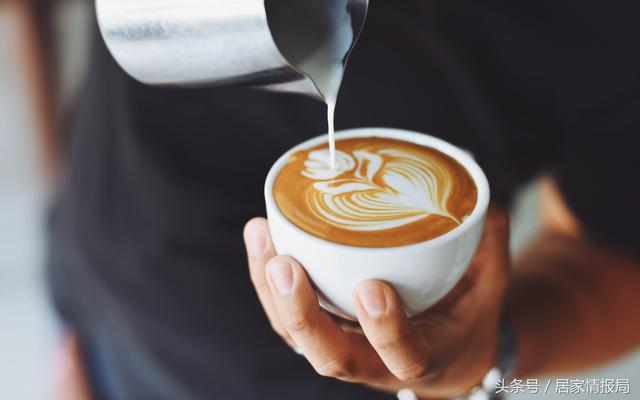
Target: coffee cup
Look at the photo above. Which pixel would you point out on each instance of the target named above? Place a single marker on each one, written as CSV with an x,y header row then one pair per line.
x,y
421,273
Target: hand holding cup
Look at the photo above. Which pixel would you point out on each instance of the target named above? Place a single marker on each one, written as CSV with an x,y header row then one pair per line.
x,y
442,352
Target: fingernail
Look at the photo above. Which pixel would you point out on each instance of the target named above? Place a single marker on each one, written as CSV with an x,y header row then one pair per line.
x,y
373,300
257,243
282,277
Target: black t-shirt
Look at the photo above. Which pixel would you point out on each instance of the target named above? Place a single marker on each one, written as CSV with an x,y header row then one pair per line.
x,y
147,257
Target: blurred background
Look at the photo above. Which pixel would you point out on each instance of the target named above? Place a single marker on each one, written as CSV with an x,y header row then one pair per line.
x,y
28,333
29,336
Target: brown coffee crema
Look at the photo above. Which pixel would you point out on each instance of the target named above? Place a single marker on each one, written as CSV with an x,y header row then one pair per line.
x,y
382,193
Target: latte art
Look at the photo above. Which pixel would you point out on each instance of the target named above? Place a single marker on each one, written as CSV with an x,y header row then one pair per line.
x,y
378,189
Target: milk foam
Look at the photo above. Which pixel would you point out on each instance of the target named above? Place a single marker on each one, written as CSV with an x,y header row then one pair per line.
x,y
376,189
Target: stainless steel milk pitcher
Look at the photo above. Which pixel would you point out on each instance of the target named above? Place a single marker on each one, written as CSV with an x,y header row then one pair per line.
x,y
224,42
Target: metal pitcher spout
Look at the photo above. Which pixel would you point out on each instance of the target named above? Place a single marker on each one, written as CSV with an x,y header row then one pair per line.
x,y
224,42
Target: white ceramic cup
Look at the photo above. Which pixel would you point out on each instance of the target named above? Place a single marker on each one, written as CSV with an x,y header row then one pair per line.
x,y
420,273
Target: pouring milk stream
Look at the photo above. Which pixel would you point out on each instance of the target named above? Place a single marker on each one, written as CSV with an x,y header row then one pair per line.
x,y
319,49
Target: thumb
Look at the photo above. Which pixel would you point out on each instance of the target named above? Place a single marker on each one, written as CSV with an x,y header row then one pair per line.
x,y
402,349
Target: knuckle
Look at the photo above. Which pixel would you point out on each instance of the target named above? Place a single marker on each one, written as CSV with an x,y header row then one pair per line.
x,y
298,323
284,335
413,371
338,368
387,346
393,339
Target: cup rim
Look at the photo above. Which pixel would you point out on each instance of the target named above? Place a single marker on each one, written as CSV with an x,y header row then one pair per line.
x,y
463,157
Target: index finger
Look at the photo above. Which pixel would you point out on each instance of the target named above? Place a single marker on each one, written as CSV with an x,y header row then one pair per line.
x,y
259,251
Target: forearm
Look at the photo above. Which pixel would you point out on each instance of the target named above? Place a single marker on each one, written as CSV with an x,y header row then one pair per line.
x,y
35,40
573,306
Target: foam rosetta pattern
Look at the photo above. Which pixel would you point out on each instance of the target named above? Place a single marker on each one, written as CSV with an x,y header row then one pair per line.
x,y
381,192
376,188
